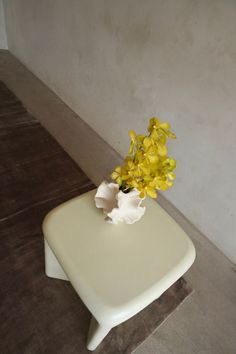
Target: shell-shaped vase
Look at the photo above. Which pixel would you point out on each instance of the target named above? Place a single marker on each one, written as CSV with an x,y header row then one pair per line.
x,y
117,205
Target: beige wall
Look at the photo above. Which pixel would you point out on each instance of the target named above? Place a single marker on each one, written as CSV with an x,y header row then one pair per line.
x,y
3,37
116,63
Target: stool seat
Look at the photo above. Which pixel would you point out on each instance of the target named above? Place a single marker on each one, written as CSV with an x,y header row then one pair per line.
x,y
117,270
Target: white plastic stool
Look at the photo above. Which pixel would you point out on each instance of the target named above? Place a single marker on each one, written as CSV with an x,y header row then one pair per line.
x,y
117,270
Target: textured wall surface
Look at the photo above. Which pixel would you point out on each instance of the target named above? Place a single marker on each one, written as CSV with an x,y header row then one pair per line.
x,y
3,37
117,63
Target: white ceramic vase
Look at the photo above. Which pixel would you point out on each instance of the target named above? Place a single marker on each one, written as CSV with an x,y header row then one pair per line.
x,y
117,205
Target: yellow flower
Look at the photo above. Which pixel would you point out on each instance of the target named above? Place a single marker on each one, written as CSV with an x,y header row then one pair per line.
x,y
151,154
156,129
147,167
147,189
162,149
136,140
153,124
116,175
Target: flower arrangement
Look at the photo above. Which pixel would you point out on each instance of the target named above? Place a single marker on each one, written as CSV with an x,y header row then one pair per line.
x,y
147,168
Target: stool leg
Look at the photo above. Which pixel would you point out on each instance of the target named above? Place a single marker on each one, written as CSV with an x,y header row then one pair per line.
x,y
52,267
96,334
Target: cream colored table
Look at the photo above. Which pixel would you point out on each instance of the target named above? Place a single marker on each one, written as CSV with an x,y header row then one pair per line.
x,y
117,270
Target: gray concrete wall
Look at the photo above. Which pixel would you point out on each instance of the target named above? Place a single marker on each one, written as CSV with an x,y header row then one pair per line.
x,y
3,37
116,63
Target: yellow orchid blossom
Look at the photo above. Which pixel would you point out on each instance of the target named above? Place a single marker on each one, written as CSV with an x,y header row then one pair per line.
x,y
153,124
147,167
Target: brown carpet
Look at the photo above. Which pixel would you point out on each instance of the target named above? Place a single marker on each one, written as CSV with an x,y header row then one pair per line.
x,y
39,315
